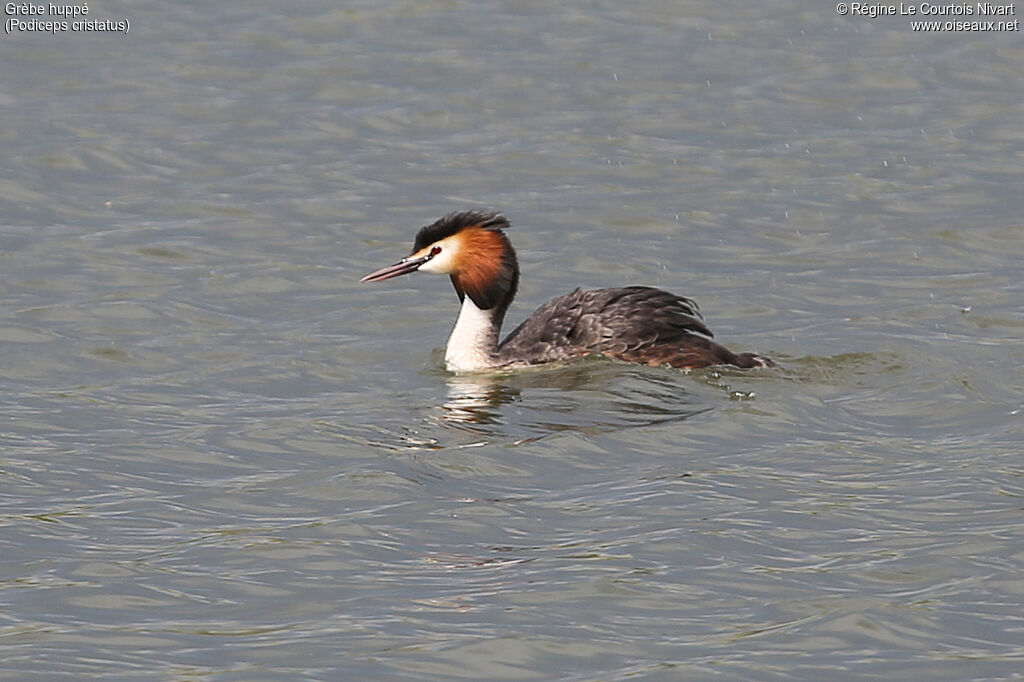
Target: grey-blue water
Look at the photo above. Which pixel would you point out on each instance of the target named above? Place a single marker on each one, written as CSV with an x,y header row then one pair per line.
x,y
223,458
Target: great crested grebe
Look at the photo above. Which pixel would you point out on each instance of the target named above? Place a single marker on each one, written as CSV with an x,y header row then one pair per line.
x,y
636,324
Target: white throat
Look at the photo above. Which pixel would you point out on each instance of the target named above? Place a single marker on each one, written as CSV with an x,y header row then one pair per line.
x,y
474,340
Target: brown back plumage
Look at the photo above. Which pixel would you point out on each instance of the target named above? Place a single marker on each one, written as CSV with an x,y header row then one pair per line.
x,y
636,324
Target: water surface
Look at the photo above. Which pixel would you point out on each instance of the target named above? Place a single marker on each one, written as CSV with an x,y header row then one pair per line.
x,y
224,458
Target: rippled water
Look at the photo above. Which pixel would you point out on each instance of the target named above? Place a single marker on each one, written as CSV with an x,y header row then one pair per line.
x,y
224,458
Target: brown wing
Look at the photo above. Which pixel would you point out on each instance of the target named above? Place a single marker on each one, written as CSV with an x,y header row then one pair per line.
x,y
636,324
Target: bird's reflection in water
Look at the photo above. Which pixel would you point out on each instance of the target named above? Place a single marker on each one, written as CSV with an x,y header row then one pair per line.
x,y
477,399
590,397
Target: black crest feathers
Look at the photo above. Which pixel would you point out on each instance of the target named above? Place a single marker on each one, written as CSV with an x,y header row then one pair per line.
x,y
454,222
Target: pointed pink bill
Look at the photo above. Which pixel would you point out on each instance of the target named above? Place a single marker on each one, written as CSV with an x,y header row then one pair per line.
x,y
402,267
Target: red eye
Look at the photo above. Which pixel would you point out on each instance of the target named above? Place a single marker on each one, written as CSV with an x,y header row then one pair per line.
x,y
436,250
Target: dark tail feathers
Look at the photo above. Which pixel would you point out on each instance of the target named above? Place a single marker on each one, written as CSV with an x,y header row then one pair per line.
x,y
748,360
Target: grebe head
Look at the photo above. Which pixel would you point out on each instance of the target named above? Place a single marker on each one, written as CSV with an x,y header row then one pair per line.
x,y
470,247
